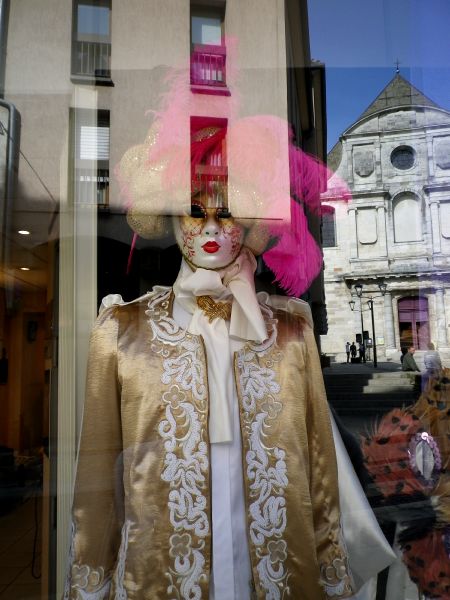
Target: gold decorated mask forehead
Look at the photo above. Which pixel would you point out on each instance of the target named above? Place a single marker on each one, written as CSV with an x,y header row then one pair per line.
x,y
213,199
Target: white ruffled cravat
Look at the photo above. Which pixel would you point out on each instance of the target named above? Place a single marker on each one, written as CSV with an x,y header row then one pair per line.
x,y
235,283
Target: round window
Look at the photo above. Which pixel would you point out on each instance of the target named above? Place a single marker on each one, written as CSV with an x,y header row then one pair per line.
x,y
403,158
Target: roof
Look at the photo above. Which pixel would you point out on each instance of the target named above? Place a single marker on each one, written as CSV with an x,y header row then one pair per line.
x,y
398,93
334,156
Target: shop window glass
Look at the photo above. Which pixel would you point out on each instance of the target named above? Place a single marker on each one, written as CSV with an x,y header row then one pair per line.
x,y
254,124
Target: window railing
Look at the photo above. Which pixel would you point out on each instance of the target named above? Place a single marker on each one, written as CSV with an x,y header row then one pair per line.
x,y
208,66
91,59
93,187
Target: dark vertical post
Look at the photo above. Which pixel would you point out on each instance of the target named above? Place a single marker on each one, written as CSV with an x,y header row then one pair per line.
x,y
375,363
4,16
362,324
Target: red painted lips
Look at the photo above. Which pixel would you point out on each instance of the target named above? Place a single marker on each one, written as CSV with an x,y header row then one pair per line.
x,y
211,247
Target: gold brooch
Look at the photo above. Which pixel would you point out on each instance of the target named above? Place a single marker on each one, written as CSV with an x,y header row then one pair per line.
x,y
214,310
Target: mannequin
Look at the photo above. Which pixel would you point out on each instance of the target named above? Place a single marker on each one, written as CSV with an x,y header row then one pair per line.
x,y
168,461
207,466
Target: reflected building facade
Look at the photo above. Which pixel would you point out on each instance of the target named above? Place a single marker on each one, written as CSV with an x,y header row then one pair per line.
x,y
394,230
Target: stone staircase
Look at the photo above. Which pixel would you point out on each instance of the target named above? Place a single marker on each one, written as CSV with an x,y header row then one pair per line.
x,y
359,399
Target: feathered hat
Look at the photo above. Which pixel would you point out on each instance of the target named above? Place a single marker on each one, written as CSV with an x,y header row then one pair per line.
x,y
251,164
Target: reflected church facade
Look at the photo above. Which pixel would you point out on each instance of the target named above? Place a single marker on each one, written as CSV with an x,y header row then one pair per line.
x,y
396,228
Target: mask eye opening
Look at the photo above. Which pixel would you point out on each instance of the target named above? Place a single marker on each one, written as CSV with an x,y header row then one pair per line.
x,y
223,213
198,211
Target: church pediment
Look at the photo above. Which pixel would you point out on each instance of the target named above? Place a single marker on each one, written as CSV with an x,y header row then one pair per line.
x,y
400,119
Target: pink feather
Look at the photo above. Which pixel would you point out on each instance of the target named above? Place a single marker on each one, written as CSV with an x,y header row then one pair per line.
x,y
296,259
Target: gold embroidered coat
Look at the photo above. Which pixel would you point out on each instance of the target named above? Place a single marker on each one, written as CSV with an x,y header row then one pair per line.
x,y
141,516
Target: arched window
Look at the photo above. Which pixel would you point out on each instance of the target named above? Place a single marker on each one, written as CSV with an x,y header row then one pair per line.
x,y
407,219
328,226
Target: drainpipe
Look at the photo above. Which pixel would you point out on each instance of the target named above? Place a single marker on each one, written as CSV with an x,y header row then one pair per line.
x,y
4,15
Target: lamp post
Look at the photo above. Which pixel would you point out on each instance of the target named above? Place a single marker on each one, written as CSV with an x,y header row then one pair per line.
x,y
359,292
352,306
370,304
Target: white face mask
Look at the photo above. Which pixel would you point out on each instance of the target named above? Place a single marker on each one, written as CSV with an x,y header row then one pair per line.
x,y
208,241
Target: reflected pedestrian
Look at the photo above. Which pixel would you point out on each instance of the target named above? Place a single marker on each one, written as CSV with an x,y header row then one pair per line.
x,y
404,350
362,352
408,363
347,351
432,360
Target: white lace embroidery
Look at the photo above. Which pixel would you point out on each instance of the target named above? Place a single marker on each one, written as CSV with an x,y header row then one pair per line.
x,y
70,563
84,582
335,577
186,464
336,590
186,370
188,567
256,382
266,467
89,583
121,593
166,332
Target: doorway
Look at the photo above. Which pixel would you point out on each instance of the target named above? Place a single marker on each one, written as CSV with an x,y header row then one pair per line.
x,y
414,322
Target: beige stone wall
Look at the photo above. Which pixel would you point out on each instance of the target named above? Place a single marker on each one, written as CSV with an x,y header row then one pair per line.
x,y
37,81
148,39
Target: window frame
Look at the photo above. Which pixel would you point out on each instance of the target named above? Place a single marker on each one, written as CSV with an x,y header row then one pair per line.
x,y
81,116
97,76
206,169
331,211
208,57
402,148
400,197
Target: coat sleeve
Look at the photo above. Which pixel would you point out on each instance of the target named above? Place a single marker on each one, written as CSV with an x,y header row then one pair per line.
x,y
96,520
331,552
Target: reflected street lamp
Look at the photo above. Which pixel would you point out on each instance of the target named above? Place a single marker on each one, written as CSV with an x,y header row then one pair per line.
x,y
382,286
370,304
352,306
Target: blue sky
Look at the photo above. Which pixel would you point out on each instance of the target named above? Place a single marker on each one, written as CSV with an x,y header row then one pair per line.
x,y
360,40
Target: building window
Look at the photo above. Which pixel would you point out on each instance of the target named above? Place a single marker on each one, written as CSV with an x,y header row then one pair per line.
x,y
328,227
91,150
209,171
91,40
208,52
403,158
445,219
407,219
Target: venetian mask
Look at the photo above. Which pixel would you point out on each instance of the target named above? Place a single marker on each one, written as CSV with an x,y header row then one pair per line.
x,y
209,238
